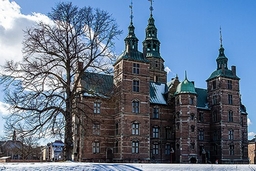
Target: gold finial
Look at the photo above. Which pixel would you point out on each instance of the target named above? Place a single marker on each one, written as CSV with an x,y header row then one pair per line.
x,y
131,11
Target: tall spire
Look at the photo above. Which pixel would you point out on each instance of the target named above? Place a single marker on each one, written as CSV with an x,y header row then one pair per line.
x,y
151,44
131,16
222,59
151,7
131,41
220,38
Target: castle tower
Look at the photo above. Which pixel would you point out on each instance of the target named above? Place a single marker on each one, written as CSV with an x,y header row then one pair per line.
x,y
226,117
151,50
132,101
186,124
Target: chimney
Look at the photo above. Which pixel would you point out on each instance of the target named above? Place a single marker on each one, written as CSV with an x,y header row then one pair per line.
x,y
80,66
233,68
14,138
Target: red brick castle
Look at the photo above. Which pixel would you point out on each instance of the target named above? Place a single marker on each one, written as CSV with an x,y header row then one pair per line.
x,y
139,116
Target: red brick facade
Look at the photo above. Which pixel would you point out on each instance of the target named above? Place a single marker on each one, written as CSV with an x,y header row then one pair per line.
x,y
145,119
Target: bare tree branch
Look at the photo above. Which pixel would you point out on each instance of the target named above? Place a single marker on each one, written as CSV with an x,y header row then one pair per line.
x,y
43,87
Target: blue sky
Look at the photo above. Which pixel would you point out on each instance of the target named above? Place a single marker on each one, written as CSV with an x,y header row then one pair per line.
x,y
188,31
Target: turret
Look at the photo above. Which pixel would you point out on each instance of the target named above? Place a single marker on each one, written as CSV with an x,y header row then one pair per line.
x,y
151,51
185,118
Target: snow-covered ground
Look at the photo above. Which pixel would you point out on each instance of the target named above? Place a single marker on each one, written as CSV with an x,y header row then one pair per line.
x,y
73,166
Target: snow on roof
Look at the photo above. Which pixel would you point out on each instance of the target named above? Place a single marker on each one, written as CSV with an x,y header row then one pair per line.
x,y
157,91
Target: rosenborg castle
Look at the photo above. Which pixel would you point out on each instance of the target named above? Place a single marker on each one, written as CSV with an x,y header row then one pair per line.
x,y
140,116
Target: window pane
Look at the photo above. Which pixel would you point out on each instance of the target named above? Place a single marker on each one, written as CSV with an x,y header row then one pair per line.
x,y
155,132
156,112
96,107
135,147
136,86
155,149
135,107
135,128
136,68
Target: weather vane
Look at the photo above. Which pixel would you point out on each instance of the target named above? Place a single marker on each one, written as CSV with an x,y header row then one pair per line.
x,y
131,11
151,6
220,37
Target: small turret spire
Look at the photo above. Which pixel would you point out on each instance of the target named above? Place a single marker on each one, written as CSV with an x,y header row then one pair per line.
x,y
131,12
186,75
151,7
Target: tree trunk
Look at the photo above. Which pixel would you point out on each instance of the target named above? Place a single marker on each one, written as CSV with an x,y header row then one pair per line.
x,y
68,143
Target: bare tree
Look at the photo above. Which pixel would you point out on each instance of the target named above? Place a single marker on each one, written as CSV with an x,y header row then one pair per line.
x,y
41,89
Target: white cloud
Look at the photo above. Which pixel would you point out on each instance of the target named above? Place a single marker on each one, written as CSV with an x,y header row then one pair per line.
x,y
249,121
251,134
12,24
4,108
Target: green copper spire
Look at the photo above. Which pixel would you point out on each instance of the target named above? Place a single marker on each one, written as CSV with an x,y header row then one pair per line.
x,y
222,65
151,45
186,78
131,41
185,86
131,52
222,60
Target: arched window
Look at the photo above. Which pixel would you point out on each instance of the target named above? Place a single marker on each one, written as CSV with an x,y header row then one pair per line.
x,y
96,147
135,146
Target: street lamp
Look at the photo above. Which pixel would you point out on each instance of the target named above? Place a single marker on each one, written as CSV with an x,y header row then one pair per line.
x,y
171,153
